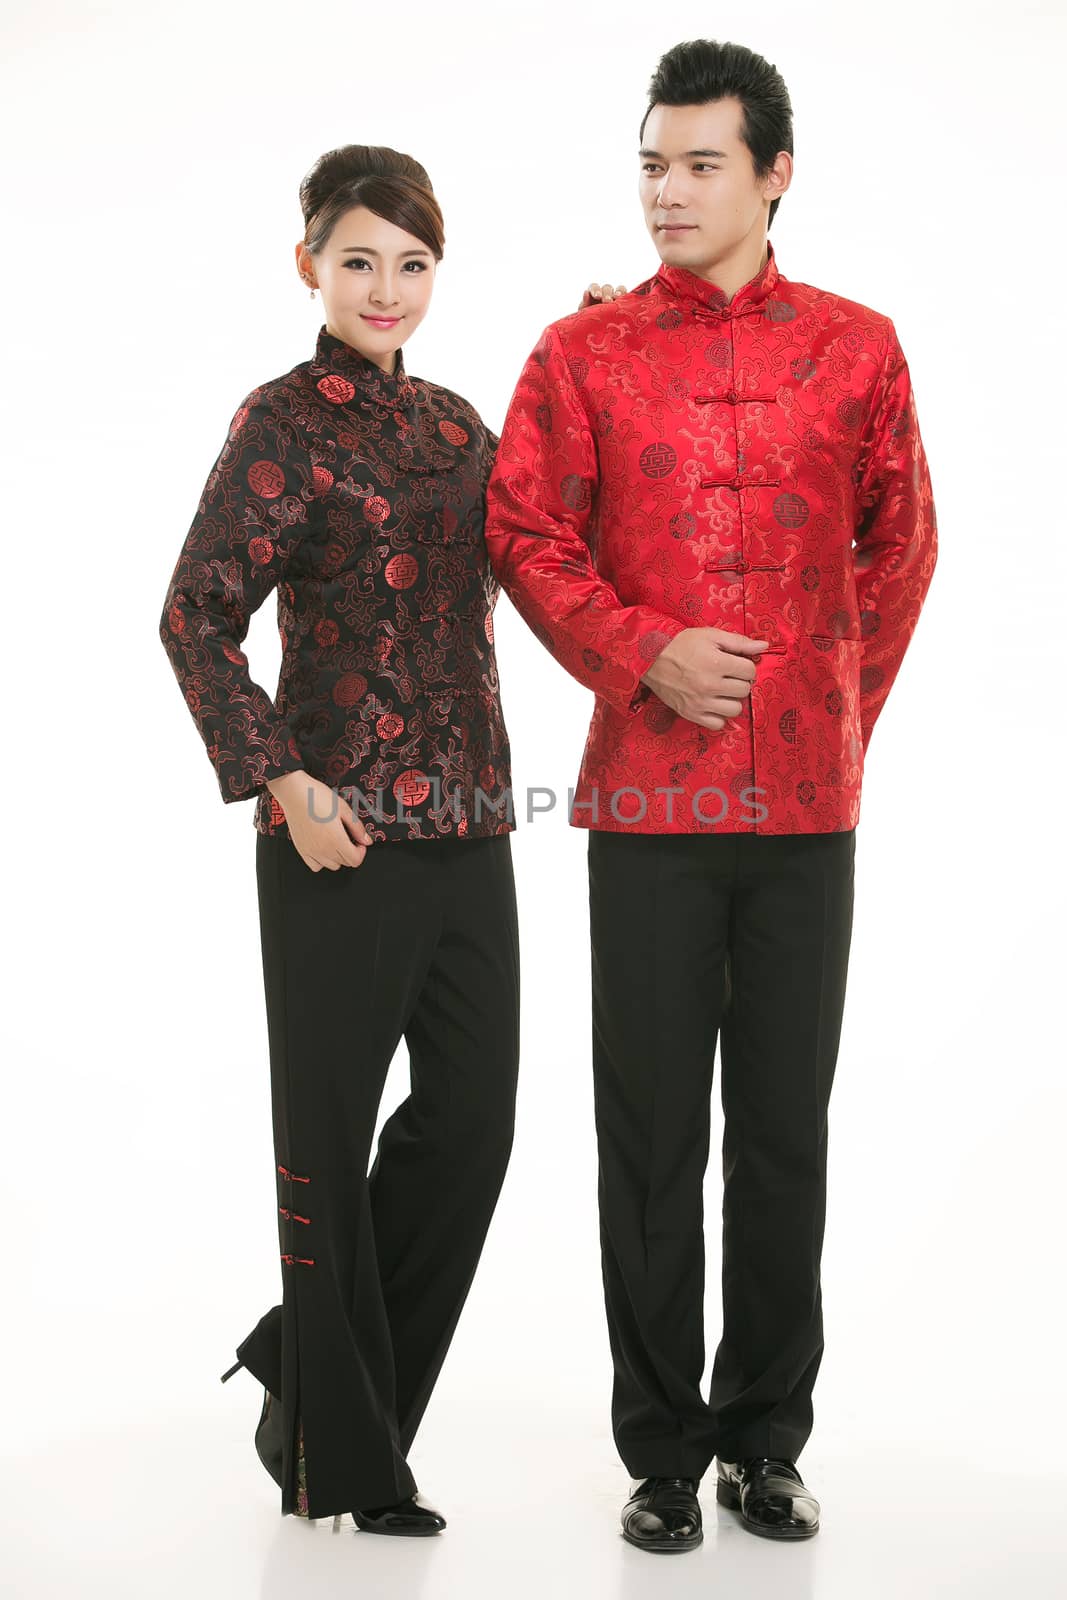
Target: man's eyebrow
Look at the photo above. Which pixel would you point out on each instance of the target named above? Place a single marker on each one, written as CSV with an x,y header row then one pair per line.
x,y
365,250
721,154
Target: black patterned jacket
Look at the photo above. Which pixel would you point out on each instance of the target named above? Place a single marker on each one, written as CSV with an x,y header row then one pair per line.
x,y
360,497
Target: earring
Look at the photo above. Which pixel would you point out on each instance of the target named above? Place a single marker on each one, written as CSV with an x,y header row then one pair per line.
x,y
312,294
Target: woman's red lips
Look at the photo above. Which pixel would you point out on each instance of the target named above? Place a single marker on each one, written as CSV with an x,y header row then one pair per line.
x,y
382,322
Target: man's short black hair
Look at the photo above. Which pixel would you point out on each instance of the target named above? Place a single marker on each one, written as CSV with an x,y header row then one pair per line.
x,y
691,74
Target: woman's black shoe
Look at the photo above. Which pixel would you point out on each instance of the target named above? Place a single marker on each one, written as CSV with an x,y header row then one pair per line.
x,y
269,1435
405,1517
269,1429
663,1515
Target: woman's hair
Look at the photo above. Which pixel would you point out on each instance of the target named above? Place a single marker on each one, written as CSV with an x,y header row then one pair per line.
x,y
392,185
703,69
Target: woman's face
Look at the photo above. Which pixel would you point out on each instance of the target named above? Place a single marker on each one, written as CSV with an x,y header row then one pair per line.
x,y
376,281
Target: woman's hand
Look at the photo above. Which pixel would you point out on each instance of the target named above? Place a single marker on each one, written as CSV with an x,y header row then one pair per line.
x,y
598,293
322,824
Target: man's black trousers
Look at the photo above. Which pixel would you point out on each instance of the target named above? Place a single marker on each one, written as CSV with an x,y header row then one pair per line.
x,y
744,939
419,942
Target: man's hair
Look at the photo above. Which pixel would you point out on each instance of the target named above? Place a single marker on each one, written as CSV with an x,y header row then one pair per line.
x,y
691,74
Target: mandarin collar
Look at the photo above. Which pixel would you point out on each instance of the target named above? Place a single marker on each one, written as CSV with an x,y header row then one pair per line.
x,y
334,359
690,286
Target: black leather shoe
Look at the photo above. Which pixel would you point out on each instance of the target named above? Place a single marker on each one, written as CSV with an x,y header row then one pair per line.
x,y
663,1514
770,1495
405,1517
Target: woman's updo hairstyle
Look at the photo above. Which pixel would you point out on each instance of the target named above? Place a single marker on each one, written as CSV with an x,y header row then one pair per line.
x,y
393,186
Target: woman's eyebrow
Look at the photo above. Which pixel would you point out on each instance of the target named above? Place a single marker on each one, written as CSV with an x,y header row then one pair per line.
x,y
365,250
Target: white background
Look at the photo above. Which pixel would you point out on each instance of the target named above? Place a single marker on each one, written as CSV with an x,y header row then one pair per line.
x,y
152,161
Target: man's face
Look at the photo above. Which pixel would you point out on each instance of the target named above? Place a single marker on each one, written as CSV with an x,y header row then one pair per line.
x,y
700,195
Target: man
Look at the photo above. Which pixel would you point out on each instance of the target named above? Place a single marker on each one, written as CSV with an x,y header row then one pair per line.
x,y
711,504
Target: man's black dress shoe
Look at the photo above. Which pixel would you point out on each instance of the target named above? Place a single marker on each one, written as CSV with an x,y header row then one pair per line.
x,y
663,1514
405,1517
770,1495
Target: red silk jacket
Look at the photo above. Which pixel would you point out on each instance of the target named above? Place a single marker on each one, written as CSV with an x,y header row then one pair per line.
x,y
674,460
360,496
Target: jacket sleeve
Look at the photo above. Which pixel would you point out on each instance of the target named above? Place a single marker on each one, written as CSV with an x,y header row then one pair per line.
x,y
541,499
250,519
895,541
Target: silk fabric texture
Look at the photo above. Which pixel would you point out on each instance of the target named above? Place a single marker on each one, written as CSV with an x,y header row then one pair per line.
x,y
675,459
360,497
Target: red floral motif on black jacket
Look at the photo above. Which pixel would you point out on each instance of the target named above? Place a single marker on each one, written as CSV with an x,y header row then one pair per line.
x,y
360,497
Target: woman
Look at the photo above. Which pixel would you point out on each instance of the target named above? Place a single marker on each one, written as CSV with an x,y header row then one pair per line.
x,y
358,494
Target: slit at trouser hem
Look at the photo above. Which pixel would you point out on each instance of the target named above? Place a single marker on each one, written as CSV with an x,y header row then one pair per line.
x,y
419,942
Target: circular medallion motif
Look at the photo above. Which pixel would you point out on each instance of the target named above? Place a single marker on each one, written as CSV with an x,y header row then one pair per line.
x,y
791,510
266,479
652,644
349,688
658,460
658,717
411,788
335,388
401,572
575,492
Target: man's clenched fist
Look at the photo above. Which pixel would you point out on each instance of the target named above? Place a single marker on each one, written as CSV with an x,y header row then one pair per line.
x,y
705,674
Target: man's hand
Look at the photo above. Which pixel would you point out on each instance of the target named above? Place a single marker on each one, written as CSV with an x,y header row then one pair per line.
x,y
598,293
322,824
705,674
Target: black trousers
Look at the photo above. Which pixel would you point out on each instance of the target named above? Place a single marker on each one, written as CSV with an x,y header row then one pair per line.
x,y
742,938
420,942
